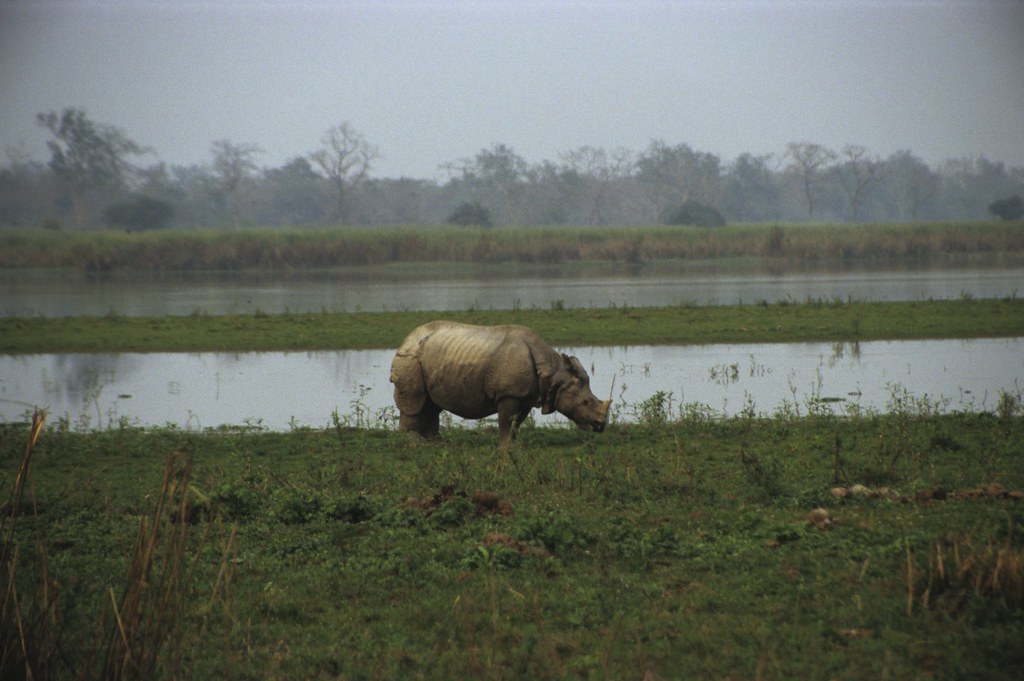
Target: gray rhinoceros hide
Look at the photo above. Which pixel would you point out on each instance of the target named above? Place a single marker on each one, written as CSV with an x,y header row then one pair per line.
x,y
476,371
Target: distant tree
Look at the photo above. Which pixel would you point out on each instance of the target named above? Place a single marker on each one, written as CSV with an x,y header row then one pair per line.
x,y
140,213
292,195
470,214
1011,208
86,155
856,173
345,158
808,161
968,185
597,170
751,189
197,195
27,192
695,214
676,174
233,164
402,201
498,175
911,182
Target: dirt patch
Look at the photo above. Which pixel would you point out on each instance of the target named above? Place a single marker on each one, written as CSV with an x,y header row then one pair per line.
x,y
993,491
522,548
485,503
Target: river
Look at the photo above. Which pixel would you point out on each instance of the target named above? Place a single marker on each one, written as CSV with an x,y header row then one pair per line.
x,y
282,390
478,287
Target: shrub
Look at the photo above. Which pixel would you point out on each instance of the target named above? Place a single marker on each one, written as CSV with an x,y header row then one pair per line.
x,y
556,532
140,213
470,214
696,214
292,507
235,500
1011,208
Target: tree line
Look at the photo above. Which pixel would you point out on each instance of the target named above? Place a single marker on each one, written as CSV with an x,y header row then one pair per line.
x,y
97,176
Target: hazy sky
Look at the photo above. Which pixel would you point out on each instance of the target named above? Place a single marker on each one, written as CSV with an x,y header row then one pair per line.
x,y
430,82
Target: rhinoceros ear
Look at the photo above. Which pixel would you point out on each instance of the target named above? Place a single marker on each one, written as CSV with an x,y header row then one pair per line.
x,y
410,389
576,369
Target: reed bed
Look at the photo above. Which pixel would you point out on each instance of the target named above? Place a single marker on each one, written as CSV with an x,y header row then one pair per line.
x,y
196,250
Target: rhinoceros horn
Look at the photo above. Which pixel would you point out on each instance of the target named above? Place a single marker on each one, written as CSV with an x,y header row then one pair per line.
x,y
606,405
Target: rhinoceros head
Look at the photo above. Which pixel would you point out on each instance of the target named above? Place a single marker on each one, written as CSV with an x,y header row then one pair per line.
x,y
574,399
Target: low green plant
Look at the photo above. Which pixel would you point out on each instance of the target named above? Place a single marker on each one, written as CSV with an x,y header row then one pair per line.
x,y
235,500
556,532
1009,405
293,507
656,410
764,475
686,546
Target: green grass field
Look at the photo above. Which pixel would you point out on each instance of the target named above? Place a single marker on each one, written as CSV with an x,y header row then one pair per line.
x,y
763,323
673,548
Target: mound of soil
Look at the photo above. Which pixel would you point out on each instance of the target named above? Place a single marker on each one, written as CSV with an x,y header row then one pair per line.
x,y
486,503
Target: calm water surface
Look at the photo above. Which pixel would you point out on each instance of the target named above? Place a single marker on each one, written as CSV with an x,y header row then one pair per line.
x,y
280,390
246,293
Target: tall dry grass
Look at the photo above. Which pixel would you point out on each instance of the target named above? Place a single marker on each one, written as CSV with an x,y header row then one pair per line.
x,y
326,248
960,568
28,616
142,634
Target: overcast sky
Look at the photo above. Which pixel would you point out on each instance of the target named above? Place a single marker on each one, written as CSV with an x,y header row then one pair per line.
x,y
430,82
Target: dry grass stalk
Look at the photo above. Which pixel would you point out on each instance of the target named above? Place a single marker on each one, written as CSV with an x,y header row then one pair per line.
x,y
144,638
26,628
148,615
994,571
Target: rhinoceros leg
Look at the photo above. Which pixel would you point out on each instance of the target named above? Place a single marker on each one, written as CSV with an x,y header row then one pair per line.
x,y
427,423
511,414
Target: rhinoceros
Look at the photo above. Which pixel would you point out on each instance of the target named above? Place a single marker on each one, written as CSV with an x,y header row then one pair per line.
x,y
476,371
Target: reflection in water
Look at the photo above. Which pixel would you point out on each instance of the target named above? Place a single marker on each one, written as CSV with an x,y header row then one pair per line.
x,y
280,390
481,288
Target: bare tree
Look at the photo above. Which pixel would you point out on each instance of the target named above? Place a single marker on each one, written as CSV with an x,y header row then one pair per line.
x,y
233,164
809,161
599,169
856,173
344,157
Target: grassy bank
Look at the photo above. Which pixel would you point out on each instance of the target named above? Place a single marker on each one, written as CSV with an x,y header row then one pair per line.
x,y
322,248
765,323
684,549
